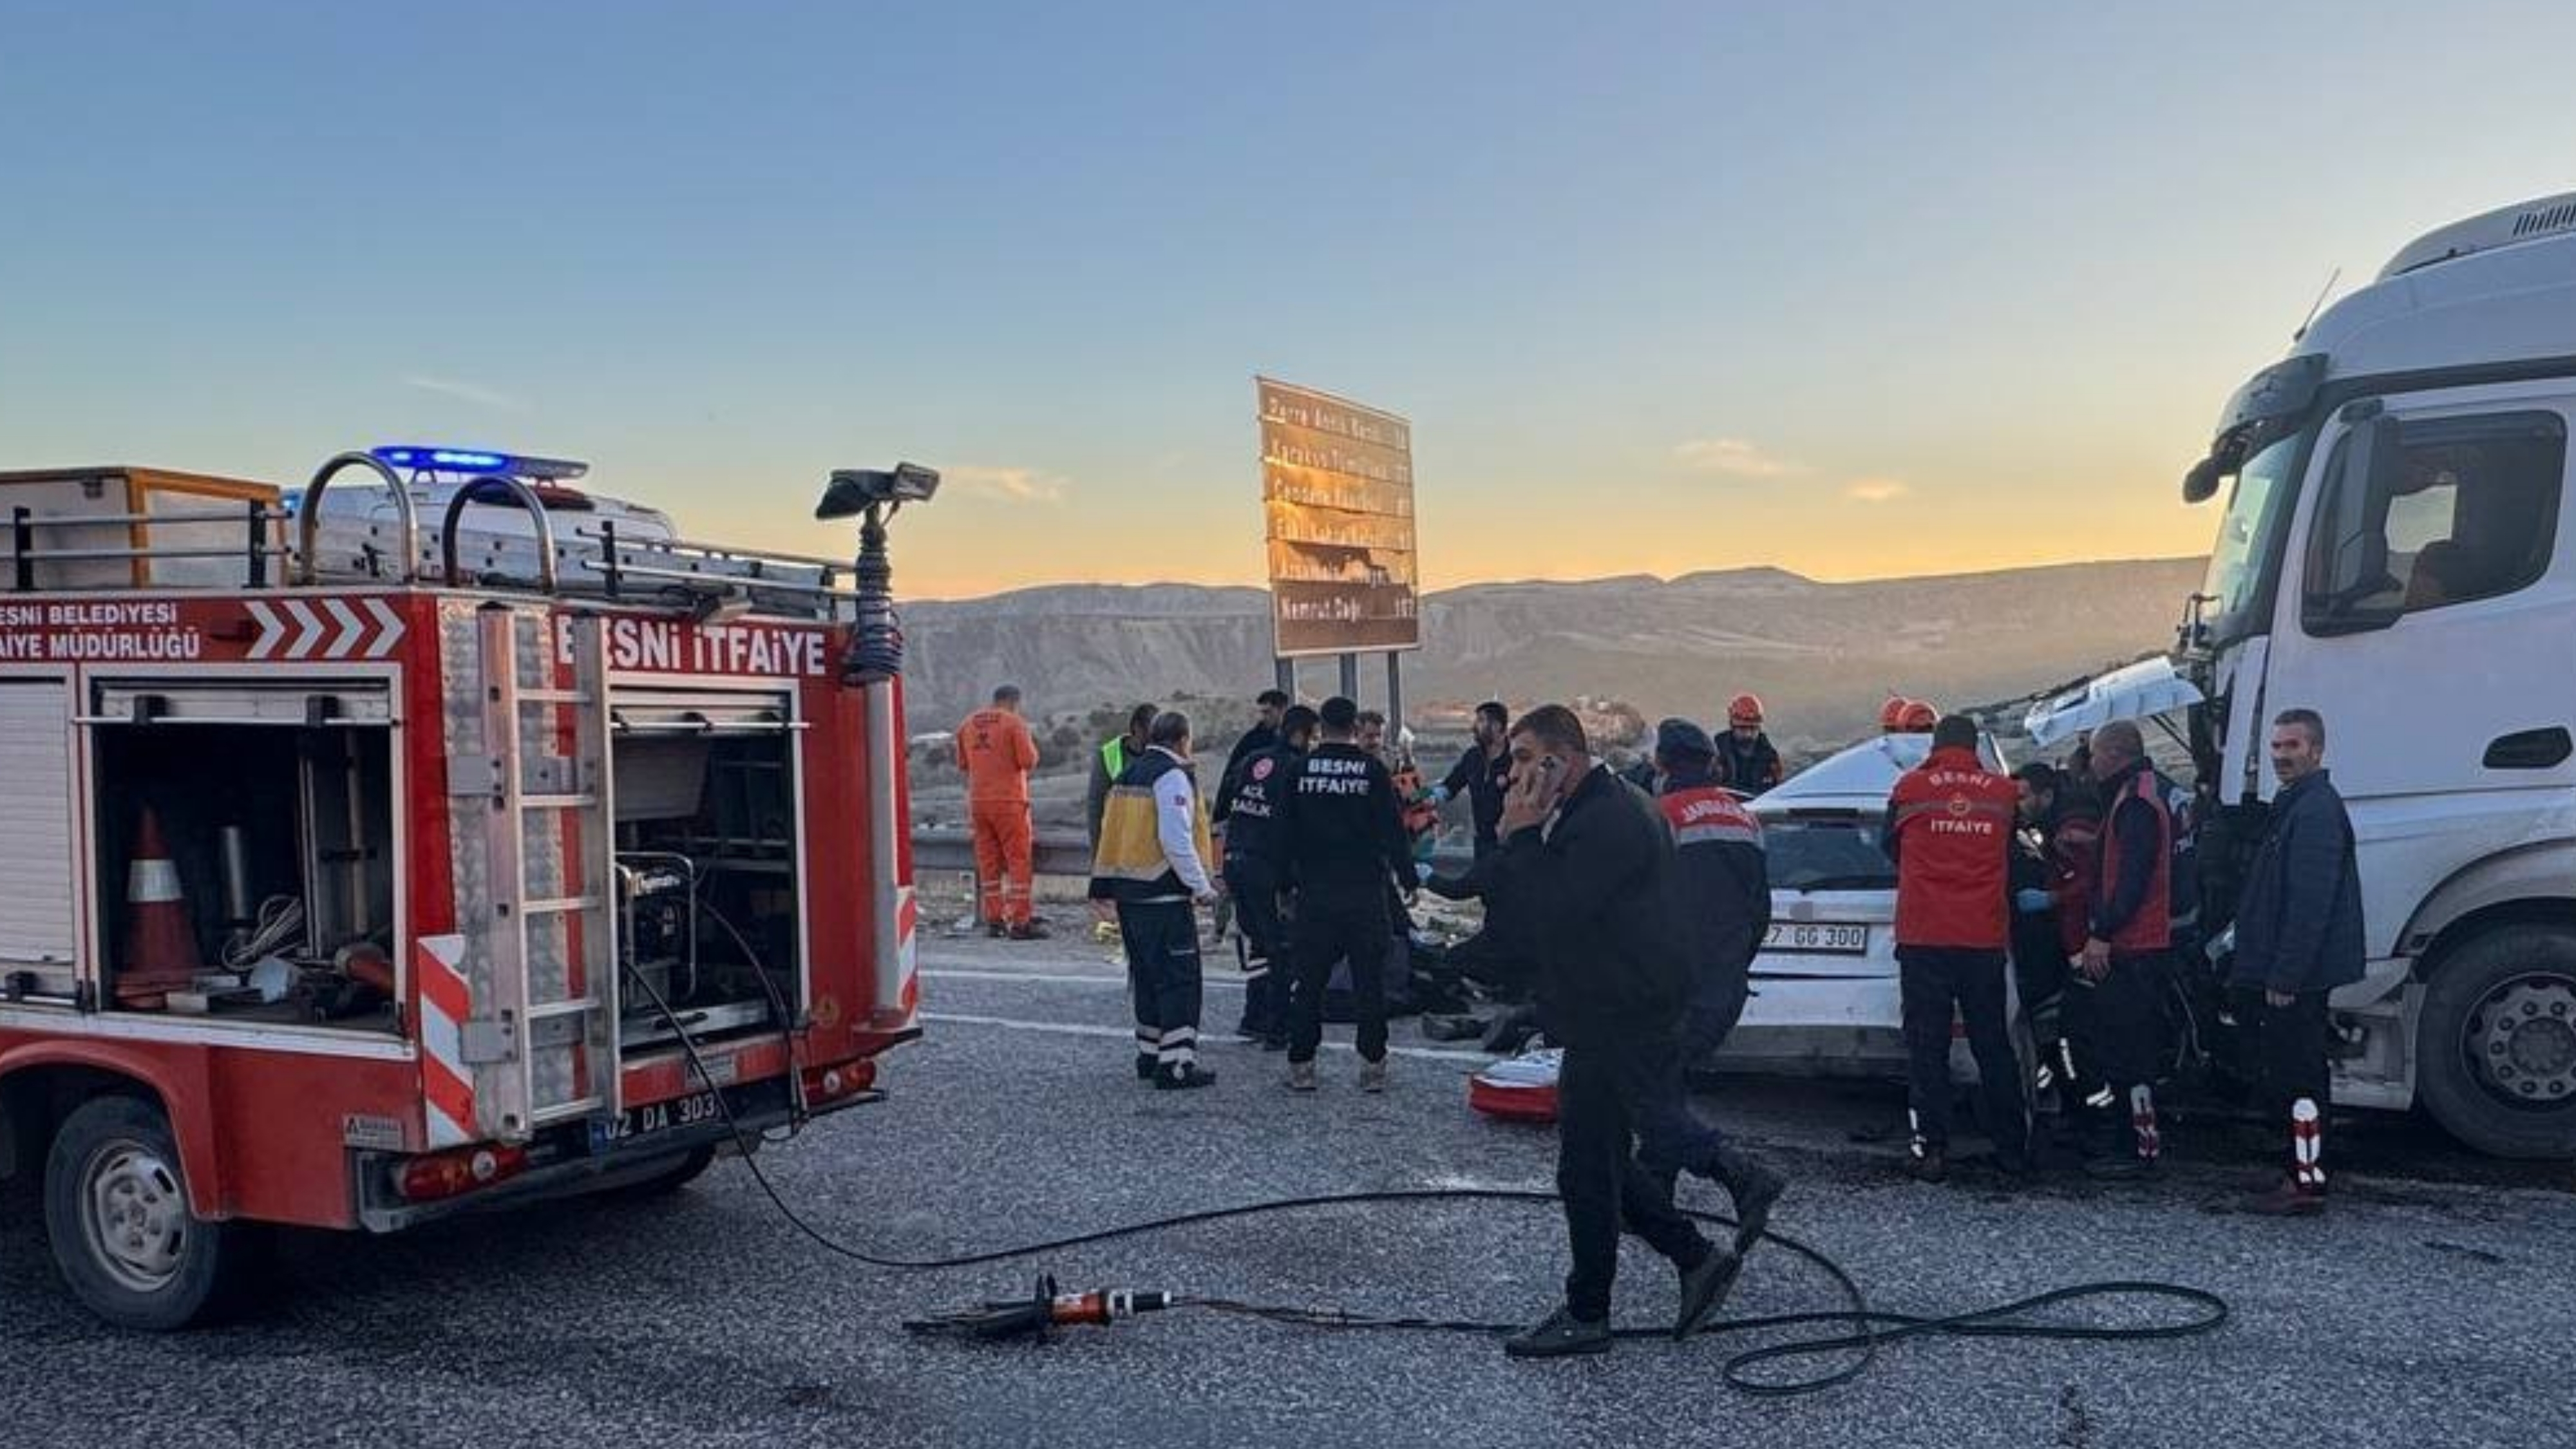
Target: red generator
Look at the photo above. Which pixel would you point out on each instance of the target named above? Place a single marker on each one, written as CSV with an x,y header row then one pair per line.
x,y
361,870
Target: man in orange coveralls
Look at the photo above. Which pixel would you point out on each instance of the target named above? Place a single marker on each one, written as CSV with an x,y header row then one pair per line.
x,y
995,750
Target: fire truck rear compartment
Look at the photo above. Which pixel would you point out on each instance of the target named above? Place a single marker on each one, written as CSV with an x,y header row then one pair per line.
x,y
709,878
280,835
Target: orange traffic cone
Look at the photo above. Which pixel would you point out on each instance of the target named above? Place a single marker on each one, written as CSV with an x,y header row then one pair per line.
x,y
160,942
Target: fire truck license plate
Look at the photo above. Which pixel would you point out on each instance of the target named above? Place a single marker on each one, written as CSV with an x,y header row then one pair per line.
x,y
698,1109
1817,937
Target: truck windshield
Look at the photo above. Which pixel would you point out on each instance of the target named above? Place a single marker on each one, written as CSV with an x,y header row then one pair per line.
x,y
2237,561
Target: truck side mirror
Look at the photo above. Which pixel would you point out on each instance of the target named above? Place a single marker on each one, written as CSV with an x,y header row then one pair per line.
x,y
2201,483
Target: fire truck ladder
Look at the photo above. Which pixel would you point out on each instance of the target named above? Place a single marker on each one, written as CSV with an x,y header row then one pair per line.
x,y
548,834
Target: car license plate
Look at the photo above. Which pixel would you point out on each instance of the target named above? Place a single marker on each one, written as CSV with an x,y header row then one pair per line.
x,y
1818,937
694,1110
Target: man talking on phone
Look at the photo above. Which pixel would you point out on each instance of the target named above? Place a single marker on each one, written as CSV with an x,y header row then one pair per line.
x,y
1586,877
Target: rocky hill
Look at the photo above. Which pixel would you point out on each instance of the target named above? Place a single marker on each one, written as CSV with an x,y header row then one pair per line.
x,y
1821,655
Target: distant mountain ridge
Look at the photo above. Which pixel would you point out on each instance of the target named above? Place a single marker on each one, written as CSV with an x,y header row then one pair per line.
x,y
1822,655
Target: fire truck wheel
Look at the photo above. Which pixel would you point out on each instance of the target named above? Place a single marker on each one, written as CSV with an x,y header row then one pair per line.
x,y
2498,1042
683,1170
116,1213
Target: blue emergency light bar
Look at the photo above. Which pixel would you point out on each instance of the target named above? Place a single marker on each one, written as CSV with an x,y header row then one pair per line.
x,y
464,460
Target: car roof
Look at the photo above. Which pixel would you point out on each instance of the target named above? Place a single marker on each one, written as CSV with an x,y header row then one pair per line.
x,y
1857,777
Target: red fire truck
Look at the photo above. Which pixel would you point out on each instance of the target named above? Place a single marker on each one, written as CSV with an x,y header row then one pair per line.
x,y
377,851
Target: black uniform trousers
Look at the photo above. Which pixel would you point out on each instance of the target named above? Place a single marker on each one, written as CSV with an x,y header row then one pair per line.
x,y
2117,1025
1935,981
1717,1003
2290,1051
1605,1097
1333,927
2039,973
1162,941
1253,882
2115,1031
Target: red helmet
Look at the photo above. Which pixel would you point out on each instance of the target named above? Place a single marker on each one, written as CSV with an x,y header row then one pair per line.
x,y
1891,715
1920,717
1744,709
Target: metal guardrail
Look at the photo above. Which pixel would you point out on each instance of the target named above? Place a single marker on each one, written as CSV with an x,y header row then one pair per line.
x,y
947,847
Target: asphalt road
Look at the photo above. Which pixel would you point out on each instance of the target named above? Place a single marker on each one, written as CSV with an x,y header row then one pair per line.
x,y
2434,1305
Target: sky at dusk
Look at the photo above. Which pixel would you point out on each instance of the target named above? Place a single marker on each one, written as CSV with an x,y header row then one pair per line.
x,y
1851,289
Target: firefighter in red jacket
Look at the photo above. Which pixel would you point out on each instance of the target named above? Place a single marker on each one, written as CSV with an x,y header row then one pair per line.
x,y
1949,829
2115,1003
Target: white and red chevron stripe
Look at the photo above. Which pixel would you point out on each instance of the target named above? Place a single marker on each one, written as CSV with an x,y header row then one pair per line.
x,y
445,1002
907,927
328,629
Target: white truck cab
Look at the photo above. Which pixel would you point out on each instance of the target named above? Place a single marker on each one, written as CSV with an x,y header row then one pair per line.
x,y
2396,554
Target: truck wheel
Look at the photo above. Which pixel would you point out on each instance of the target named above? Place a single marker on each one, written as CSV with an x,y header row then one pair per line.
x,y
2497,1043
116,1214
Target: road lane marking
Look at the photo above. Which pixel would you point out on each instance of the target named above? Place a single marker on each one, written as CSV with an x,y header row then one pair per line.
x,y
1128,1034
1063,978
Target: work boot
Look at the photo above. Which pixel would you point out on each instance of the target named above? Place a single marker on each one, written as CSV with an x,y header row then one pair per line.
x,y
2120,1151
1754,1186
1929,1163
2071,1137
1183,1077
1301,1076
1560,1335
2120,1167
1373,1075
2284,1199
1030,930
1704,1290
1146,1065
996,930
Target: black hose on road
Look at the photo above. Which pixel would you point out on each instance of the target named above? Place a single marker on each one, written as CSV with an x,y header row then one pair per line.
x,y
1863,1329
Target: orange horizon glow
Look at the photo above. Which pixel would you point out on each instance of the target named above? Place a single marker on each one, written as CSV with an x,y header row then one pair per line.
x,y
931,566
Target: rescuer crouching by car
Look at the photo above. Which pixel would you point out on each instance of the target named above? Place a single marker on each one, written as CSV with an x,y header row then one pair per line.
x,y
2061,829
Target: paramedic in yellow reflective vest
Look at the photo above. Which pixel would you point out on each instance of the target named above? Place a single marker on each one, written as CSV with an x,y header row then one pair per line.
x,y
1111,761
1152,863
